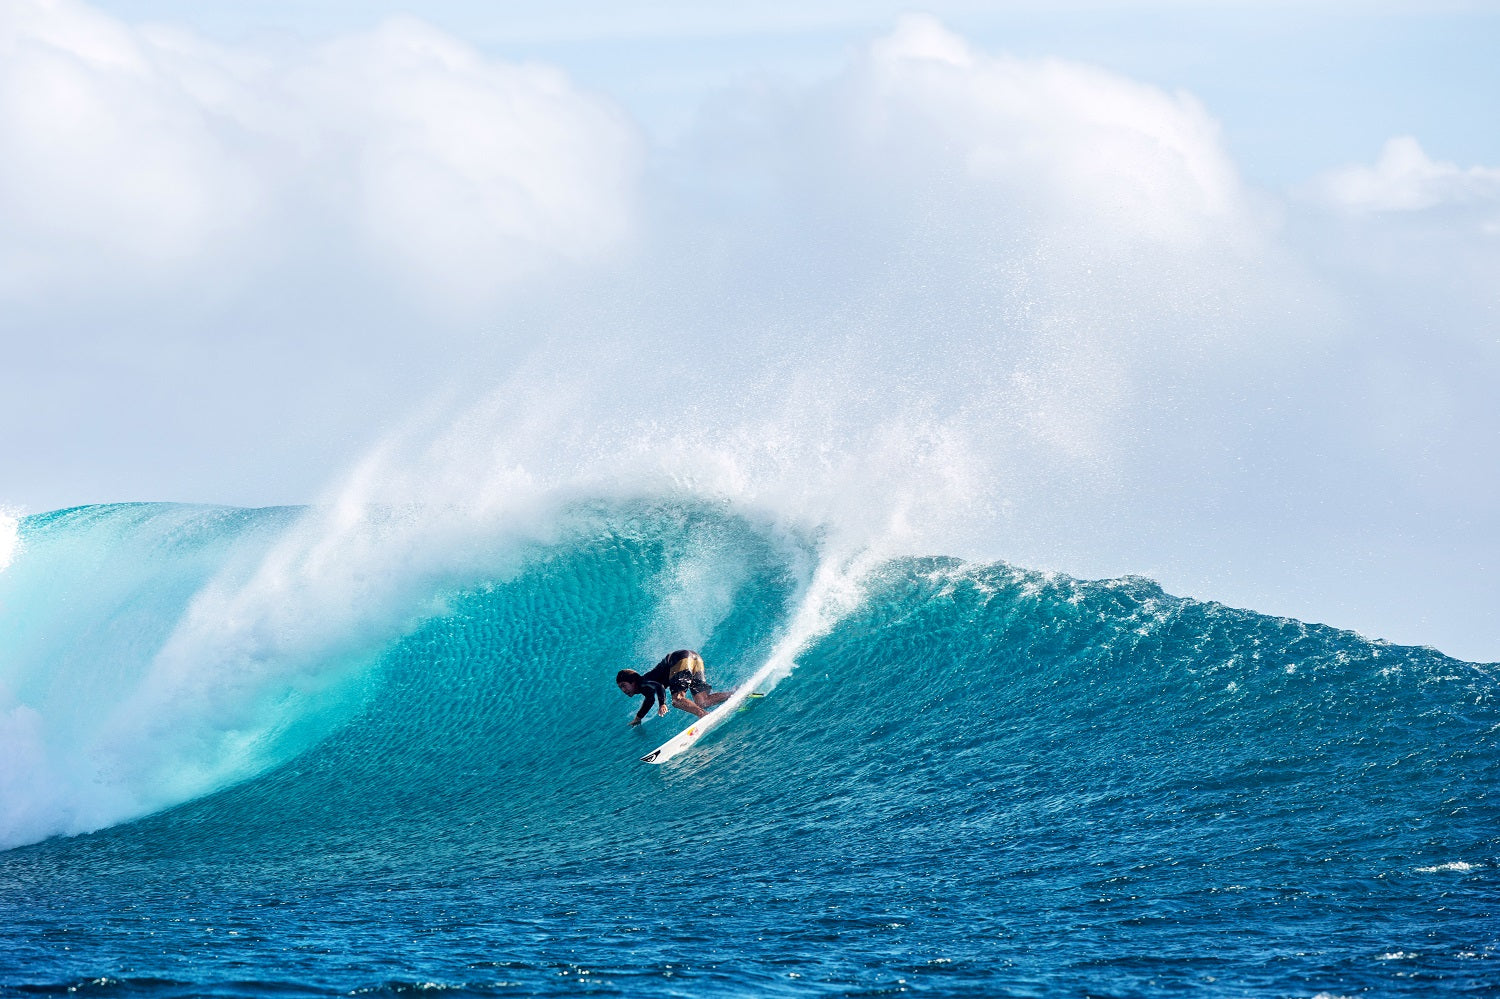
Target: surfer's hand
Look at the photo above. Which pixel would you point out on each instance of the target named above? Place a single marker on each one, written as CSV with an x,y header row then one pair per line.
x,y
662,710
634,722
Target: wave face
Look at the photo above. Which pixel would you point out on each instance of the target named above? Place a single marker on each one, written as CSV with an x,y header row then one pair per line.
x,y
978,780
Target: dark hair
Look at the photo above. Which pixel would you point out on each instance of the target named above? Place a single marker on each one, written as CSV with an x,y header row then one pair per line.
x,y
627,676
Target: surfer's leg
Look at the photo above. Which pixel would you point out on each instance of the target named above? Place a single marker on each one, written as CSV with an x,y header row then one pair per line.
x,y
682,701
703,694
707,699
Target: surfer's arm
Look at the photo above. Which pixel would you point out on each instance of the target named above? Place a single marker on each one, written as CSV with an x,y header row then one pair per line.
x,y
651,693
657,693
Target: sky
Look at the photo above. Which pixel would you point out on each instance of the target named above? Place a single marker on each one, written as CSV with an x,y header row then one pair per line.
x,y
1207,292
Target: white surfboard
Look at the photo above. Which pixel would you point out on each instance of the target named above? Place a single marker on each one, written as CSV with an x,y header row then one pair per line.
x,y
682,740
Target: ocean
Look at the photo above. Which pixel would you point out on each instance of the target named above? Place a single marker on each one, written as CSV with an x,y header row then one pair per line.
x,y
247,753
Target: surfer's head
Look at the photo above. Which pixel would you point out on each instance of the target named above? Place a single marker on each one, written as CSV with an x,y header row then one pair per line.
x,y
629,682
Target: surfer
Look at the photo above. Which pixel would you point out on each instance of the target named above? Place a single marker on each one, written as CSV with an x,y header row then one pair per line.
x,y
681,673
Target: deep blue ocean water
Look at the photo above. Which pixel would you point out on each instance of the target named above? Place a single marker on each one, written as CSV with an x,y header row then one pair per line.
x,y
979,780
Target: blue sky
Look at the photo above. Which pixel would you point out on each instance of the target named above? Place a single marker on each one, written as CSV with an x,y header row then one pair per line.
x,y
1206,292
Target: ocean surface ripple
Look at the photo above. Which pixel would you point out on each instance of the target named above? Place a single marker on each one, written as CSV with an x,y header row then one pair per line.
x,y
979,780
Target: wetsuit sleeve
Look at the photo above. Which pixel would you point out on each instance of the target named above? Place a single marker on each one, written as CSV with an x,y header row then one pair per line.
x,y
654,692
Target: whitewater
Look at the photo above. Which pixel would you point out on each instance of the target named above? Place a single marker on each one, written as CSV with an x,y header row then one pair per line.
x,y
374,749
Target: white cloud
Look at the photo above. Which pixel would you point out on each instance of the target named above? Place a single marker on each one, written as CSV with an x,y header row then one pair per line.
x,y
109,163
1083,143
465,171
922,120
1406,179
147,153
1042,241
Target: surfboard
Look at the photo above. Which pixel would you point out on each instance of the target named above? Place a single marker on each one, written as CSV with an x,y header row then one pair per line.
x,y
737,701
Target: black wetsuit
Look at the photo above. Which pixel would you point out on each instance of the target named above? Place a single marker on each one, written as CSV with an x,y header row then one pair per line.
x,y
670,675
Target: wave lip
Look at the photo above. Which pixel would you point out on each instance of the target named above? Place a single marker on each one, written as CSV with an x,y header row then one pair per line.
x,y
10,538
93,595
